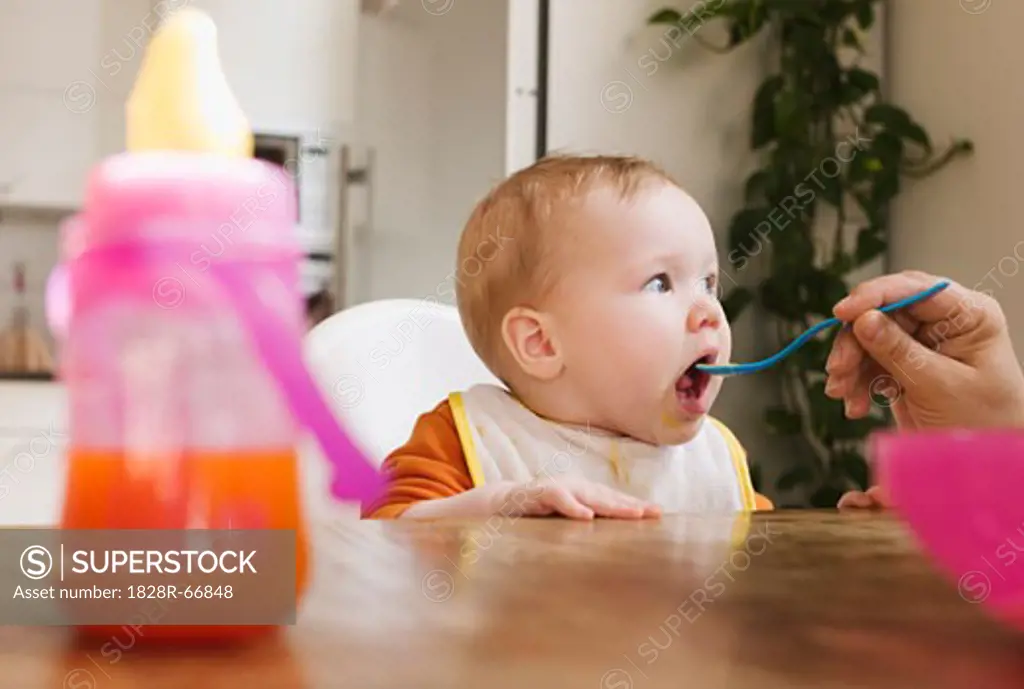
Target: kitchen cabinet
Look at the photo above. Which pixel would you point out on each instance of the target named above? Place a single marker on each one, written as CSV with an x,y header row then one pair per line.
x,y
292,65
31,407
33,446
47,147
31,483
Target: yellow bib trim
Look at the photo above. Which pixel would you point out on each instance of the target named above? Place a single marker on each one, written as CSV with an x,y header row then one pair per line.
x,y
462,425
740,529
739,461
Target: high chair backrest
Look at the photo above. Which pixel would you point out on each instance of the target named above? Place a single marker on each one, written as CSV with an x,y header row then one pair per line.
x,y
385,362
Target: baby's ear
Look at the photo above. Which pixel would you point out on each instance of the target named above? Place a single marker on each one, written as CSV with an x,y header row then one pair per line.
x,y
530,338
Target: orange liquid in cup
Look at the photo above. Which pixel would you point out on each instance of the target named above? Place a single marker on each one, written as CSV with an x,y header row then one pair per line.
x,y
107,491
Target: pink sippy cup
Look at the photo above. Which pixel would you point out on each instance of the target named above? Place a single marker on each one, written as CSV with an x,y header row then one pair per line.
x,y
180,318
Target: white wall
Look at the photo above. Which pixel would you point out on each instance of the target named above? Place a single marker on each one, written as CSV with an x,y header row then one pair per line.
x,y
469,108
432,103
393,92
958,73
291,65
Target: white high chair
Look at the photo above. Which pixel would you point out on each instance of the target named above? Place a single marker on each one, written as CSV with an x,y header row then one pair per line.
x,y
384,363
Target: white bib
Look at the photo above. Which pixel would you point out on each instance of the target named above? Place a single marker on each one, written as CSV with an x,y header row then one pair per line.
x,y
504,441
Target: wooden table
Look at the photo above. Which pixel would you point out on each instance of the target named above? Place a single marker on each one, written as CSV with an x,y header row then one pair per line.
x,y
809,599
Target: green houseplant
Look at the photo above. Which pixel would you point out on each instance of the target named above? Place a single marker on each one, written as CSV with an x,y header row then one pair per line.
x,y
833,156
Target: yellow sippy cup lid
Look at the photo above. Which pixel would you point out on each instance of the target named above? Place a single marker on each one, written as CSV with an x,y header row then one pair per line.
x,y
181,99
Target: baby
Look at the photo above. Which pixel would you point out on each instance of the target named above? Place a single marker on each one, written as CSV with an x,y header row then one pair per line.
x,y
592,312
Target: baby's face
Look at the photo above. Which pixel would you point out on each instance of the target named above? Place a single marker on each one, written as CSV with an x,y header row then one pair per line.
x,y
636,308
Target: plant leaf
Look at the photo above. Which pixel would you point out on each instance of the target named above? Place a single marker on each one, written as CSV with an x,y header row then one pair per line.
x,y
783,421
735,302
743,239
898,123
842,264
869,245
756,186
864,81
888,116
918,135
763,130
813,355
887,146
792,114
793,478
824,291
826,414
665,15
831,188
748,17
886,186
756,476
825,497
852,465
779,294
865,14
856,429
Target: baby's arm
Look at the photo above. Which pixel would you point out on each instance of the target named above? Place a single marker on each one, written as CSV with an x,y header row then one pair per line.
x,y
429,467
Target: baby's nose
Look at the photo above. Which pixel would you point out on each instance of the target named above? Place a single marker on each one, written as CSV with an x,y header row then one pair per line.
x,y
703,315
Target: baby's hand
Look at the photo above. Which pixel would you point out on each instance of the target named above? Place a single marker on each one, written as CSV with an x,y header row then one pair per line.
x,y
873,499
571,497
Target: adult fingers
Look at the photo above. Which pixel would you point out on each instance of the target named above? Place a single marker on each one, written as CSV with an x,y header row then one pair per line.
x,y
947,305
905,420
897,351
852,372
878,496
847,354
855,500
861,391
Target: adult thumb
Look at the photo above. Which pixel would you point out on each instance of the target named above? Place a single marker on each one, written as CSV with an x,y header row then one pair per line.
x,y
890,346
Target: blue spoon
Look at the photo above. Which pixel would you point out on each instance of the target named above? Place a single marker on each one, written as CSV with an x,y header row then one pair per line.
x,y
755,366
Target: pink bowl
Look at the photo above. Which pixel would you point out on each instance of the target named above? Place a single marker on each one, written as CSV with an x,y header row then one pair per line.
x,y
962,495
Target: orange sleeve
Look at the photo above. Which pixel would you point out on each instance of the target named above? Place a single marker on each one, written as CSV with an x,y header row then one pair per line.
x,y
430,465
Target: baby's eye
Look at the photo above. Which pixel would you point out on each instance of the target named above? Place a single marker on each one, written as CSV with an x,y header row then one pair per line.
x,y
709,284
659,283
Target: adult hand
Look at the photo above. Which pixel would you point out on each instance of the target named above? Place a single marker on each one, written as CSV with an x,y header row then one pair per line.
x,y
944,362
873,498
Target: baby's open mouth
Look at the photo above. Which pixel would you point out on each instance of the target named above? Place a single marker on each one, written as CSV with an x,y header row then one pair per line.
x,y
692,384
